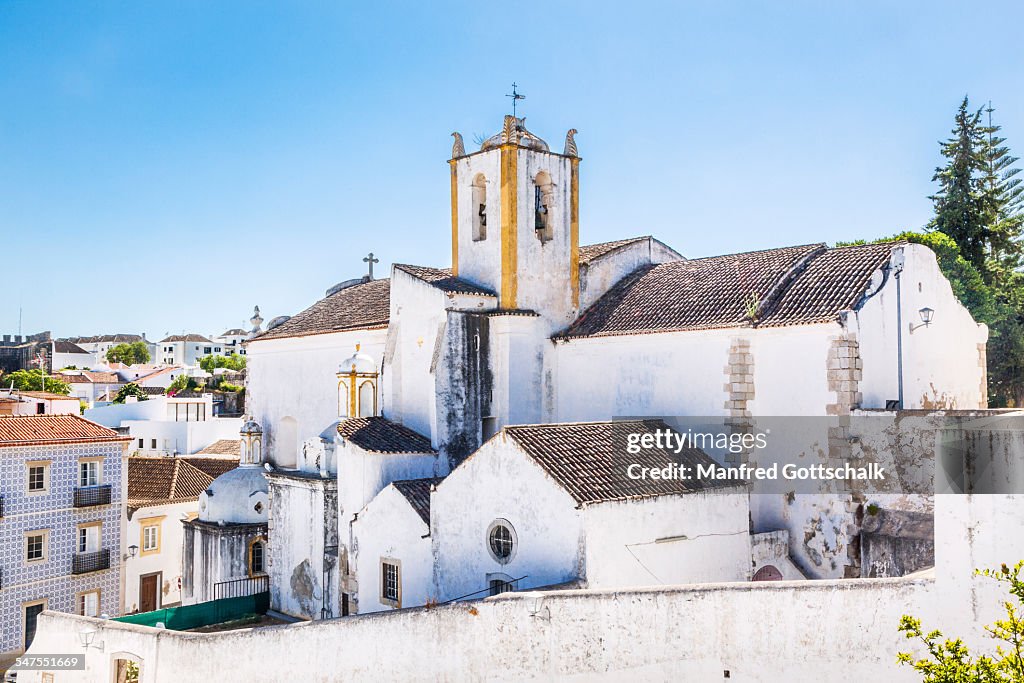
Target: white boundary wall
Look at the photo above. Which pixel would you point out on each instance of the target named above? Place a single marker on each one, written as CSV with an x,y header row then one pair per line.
x,y
794,631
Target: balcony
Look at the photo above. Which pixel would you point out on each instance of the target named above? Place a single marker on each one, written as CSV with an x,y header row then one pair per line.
x,y
88,496
83,563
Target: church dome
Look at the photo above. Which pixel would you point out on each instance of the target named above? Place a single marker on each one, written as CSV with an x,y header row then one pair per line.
x,y
515,132
251,427
236,497
360,363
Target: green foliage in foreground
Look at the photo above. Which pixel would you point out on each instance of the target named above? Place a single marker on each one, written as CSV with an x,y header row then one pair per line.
x,y
950,660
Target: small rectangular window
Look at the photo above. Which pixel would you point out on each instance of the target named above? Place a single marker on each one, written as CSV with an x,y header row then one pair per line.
x,y
89,473
40,408
151,538
89,604
37,477
206,350
140,444
391,583
89,538
152,444
35,546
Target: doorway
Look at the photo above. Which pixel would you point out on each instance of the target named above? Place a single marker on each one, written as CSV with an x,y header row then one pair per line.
x,y
149,592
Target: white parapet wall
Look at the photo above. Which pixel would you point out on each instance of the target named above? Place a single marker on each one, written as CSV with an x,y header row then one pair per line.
x,y
834,630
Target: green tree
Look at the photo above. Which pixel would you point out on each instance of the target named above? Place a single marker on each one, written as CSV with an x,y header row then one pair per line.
x,y
962,208
130,353
231,362
130,389
34,380
1005,198
950,661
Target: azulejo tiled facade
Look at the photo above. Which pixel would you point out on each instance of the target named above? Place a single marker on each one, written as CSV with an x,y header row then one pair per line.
x,y
59,578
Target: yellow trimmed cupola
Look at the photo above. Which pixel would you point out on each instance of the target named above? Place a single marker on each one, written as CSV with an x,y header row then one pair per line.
x,y
357,386
515,220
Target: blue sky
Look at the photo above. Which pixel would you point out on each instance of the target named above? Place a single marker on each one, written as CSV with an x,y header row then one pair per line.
x,y
166,166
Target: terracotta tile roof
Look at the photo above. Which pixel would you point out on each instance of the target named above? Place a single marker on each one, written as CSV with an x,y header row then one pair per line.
x,y
361,306
443,279
832,281
186,338
115,338
380,435
48,396
234,332
88,377
223,447
589,460
687,295
417,492
159,480
789,286
589,252
62,346
30,430
213,466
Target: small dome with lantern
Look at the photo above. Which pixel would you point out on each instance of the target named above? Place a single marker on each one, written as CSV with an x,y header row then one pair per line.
x,y
359,363
250,427
239,496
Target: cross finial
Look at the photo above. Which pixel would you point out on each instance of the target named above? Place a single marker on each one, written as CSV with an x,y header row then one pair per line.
x,y
370,260
515,97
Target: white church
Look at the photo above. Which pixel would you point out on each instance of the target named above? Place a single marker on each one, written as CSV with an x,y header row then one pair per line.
x,y
453,432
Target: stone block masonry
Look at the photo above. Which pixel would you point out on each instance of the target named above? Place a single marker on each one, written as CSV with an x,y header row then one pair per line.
x,y
845,370
739,391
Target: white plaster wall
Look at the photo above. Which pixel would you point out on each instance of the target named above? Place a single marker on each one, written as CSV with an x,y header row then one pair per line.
x,y
480,262
183,438
362,474
297,377
940,362
167,561
655,374
543,281
517,347
389,528
296,548
791,369
500,482
79,360
641,542
760,632
771,548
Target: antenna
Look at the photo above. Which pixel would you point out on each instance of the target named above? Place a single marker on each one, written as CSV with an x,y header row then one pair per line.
x,y
515,97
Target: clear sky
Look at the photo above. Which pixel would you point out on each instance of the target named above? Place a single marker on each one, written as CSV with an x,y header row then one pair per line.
x,y
166,166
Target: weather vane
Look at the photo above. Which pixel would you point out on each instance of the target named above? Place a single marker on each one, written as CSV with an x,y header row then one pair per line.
x,y
515,97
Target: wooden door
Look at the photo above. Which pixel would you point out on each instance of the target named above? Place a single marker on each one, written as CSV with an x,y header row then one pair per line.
x,y
149,587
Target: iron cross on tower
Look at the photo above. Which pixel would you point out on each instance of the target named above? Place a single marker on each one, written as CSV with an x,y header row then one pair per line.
x,y
515,97
370,260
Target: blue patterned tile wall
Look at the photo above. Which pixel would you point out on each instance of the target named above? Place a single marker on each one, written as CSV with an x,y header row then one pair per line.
x,y
52,579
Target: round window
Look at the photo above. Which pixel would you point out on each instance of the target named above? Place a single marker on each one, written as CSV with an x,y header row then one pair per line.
x,y
501,541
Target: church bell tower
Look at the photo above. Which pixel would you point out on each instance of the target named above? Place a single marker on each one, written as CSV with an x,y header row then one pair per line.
x,y
515,220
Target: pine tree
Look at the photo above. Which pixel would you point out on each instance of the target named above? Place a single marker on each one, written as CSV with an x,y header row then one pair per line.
x,y
962,207
1004,196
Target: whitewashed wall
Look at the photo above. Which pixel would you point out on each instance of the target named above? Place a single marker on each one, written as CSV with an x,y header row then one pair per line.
x,y
941,362
602,273
362,474
500,482
759,632
390,528
668,540
296,378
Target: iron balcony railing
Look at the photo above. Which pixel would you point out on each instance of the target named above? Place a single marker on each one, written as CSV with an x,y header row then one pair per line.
x,y
83,563
87,496
1,506
238,588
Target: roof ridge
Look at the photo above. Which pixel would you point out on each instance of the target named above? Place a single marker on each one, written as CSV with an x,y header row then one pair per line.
x,y
774,295
174,479
747,253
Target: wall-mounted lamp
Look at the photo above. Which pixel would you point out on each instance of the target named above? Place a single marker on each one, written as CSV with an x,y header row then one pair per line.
x,y
539,610
926,318
88,637
133,550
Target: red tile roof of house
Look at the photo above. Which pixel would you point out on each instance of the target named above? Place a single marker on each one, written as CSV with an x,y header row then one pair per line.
x,y
32,430
362,306
158,480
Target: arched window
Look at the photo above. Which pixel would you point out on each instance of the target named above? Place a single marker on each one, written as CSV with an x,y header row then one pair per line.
x,y
479,208
367,399
257,557
343,398
542,205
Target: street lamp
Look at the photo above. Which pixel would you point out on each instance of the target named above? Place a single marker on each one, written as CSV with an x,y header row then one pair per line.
x,y
926,318
133,550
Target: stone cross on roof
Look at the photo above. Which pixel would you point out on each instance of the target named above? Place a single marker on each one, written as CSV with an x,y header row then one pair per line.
x,y
370,260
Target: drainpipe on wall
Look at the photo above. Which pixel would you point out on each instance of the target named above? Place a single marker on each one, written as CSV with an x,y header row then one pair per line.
x,y
897,270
